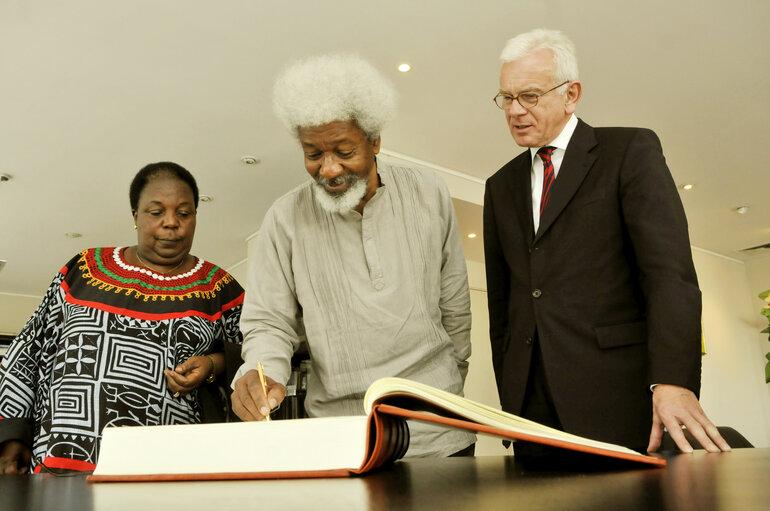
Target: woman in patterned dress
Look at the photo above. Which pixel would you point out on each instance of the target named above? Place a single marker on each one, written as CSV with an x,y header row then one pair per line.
x,y
123,336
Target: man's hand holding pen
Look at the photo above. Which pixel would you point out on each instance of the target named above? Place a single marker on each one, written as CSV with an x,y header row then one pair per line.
x,y
253,403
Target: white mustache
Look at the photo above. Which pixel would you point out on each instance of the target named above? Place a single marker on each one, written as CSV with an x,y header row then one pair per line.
x,y
337,180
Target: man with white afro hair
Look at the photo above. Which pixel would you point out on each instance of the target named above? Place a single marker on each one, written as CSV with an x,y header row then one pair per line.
x,y
331,88
364,261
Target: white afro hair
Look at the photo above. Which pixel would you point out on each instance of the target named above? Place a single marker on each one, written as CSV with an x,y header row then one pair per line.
x,y
338,87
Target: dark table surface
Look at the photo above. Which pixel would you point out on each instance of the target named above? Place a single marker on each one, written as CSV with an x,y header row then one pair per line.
x,y
738,480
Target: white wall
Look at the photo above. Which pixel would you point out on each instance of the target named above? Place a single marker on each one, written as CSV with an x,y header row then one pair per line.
x,y
758,273
240,271
733,389
15,310
480,384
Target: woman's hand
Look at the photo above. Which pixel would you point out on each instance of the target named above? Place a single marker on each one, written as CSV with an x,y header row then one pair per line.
x,y
191,373
14,458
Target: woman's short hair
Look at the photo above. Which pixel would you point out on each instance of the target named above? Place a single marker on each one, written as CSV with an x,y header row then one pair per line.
x,y
335,87
154,170
565,66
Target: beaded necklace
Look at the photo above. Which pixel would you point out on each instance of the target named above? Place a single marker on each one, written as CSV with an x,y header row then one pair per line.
x,y
161,272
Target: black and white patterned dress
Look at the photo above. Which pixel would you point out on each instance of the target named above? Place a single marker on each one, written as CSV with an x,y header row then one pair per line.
x,y
94,352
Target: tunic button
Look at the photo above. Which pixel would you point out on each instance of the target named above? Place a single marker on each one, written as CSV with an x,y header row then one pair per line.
x,y
529,340
537,293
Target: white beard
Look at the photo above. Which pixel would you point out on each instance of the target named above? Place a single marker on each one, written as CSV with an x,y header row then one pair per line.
x,y
344,202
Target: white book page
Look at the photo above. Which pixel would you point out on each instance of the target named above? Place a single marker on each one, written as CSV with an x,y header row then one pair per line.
x,y
336,493
269,446
477,412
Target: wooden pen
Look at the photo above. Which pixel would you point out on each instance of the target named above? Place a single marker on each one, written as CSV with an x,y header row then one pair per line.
x,y
261,372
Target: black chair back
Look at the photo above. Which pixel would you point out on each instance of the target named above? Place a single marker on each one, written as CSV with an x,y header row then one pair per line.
x,y
735,439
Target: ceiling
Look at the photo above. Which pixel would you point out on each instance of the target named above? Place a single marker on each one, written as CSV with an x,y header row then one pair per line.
x,y
92,90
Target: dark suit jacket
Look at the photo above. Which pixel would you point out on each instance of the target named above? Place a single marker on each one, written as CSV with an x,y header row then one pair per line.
x,y
608,283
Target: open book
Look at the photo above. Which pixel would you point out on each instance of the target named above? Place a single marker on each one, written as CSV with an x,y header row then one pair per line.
x,y
318,447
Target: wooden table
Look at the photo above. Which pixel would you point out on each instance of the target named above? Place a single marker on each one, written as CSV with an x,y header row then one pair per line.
x,y
739,480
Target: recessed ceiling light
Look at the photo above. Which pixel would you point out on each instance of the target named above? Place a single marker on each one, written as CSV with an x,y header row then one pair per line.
x,y
404,68
205,198
73,235
472,235
250,160
4,178
687,187
742,210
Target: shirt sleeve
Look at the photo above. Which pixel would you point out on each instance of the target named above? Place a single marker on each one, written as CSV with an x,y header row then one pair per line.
x,y
232,341
20,372
271,317
454,301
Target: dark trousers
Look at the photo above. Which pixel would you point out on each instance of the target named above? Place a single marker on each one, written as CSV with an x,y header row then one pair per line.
x,y
538,406
538,403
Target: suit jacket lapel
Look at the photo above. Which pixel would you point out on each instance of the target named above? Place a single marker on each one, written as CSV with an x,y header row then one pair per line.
x,y
577,161
521,191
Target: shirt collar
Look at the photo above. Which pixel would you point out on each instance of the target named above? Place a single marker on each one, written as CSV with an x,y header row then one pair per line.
x,y
562,140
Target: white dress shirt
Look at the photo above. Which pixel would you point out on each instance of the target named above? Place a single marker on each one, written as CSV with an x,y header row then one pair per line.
x,y
560,147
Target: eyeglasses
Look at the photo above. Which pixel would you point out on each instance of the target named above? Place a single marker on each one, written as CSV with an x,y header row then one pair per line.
x,y
503,100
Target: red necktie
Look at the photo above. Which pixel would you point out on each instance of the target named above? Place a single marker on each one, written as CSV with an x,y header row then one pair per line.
x,y
548,177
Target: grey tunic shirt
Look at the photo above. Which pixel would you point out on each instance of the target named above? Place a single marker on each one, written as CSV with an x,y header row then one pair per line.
x,y
379,294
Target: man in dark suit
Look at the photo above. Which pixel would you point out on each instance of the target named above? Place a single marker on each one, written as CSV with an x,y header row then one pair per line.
x,y
593,299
